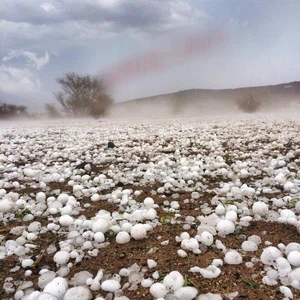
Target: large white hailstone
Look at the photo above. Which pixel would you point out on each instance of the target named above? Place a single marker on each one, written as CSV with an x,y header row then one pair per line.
x,y
269,255
123,237
295,274
268,281
173,281
247,191
295,284
244,173
217,262
2,192
10,246
297,207
190,244
221,246
31,236
66,220
78,293
34,227
287,213
220,210
286,292
209,296
151,214
186,293
101,225
249,246
184,235
138,231
273,274
61,257
99,237
231,216
151,263
294,258
225,227
283,266
292,221
181,253
255,238
158,290
57,287
27,262
148,202
233,257
195,195
115,228
236,192
206,238
146,283
278,202
63,198
209,272
18,295
6,205
87,245
66,210
45,278
292,247
20,251
42,296
260,208
137,215
81,277
110,285
30,172
288,186
161,190
280,178
245,221
40,197
95,197
124,272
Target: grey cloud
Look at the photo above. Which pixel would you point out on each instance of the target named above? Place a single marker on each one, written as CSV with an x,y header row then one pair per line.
x,y
124,14
37,25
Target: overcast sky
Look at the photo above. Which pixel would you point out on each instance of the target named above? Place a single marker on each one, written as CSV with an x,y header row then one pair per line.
x,y
42,40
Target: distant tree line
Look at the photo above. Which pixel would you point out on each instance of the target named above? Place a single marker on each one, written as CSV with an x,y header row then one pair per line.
x,y
83,96
8,111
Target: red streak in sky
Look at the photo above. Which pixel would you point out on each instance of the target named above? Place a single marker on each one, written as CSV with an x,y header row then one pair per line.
x,y
182,49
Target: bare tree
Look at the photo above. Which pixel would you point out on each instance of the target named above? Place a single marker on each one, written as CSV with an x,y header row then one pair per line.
x,y
248,103
52,111
83,95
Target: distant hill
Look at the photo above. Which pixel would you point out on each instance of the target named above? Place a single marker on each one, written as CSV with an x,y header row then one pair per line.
x,y
197,101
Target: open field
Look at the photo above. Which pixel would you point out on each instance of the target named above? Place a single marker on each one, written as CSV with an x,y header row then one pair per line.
x,y
217,200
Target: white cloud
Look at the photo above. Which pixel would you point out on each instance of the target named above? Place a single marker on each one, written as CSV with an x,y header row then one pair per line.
x,y
32,58
105,3
48,7
17,81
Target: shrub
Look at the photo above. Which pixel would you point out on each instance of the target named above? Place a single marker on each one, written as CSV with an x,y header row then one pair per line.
x,y
248,103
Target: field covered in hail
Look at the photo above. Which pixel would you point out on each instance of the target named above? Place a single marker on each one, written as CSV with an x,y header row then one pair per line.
x,y
171,209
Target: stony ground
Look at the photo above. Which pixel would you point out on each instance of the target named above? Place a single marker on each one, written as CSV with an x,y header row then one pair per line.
x,y
188,167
